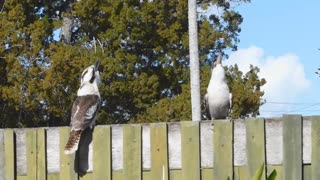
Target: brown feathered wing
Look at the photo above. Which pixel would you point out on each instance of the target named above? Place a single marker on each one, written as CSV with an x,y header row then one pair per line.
x,y
84,110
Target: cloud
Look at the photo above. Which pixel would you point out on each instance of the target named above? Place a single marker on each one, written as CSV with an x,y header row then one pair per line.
x,y
285,76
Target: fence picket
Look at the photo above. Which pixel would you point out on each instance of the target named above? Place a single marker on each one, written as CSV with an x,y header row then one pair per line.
x,y
159,151
116,175
292,147
53,176
190,150
255,132
67,169
9,150
102,153
41,154
307,172
132,152
31,144
241,173
2,165
206,174
223,149
315,154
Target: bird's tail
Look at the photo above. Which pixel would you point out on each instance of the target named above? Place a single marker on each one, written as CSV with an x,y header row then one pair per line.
x,y
72,144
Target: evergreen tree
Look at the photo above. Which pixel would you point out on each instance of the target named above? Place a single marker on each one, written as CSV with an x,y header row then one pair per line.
x,y
246,91
245,88
142,46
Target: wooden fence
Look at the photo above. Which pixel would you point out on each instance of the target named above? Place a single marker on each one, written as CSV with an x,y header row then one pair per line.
x,y
205,150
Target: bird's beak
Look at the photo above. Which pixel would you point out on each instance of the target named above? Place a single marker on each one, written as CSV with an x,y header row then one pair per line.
x,y
96,65
218,61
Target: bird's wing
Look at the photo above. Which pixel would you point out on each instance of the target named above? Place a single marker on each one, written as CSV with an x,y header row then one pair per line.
x,y
230,104
230,100
83,111
206,100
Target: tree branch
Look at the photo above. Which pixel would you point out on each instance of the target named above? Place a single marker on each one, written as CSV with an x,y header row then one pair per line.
x,y
2,4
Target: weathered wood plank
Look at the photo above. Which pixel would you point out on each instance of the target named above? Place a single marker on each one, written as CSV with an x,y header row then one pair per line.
x,y
239,143
53,149
21,151
174,145
315,157
2,175
146,175
22,177
159,151
274,140
102,153
307,172
255,129
223,149
190,150
175,174
241,173
132,152
117,175
146,148
53,176
292,147
31,144
206,174
206,143
67,162
41,154
9,150
306,139
117,146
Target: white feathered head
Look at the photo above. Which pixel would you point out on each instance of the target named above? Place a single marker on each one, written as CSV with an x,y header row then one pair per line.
x,y
91,74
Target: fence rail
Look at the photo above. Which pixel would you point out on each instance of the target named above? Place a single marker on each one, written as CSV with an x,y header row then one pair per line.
x,y
187,150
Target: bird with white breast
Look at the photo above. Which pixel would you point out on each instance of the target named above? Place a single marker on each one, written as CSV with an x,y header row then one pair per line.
x,y
85,107
218,96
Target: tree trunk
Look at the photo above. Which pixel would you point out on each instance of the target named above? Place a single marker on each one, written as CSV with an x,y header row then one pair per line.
x,y
194,61
66,29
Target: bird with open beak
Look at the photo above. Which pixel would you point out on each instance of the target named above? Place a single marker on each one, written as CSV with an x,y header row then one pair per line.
x,y
218,97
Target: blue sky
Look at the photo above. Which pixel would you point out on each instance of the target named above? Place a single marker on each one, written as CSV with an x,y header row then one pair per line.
x,y
283,38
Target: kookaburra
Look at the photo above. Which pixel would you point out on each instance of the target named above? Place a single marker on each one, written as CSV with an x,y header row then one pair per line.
x,y
218,97
85,107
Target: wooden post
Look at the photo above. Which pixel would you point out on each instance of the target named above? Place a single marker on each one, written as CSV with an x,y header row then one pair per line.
x,y
132,152
9,150
41,154
2,165
223,149
190,150
256,152
31,144
292,147
315,154
102,153
67,168
159,151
